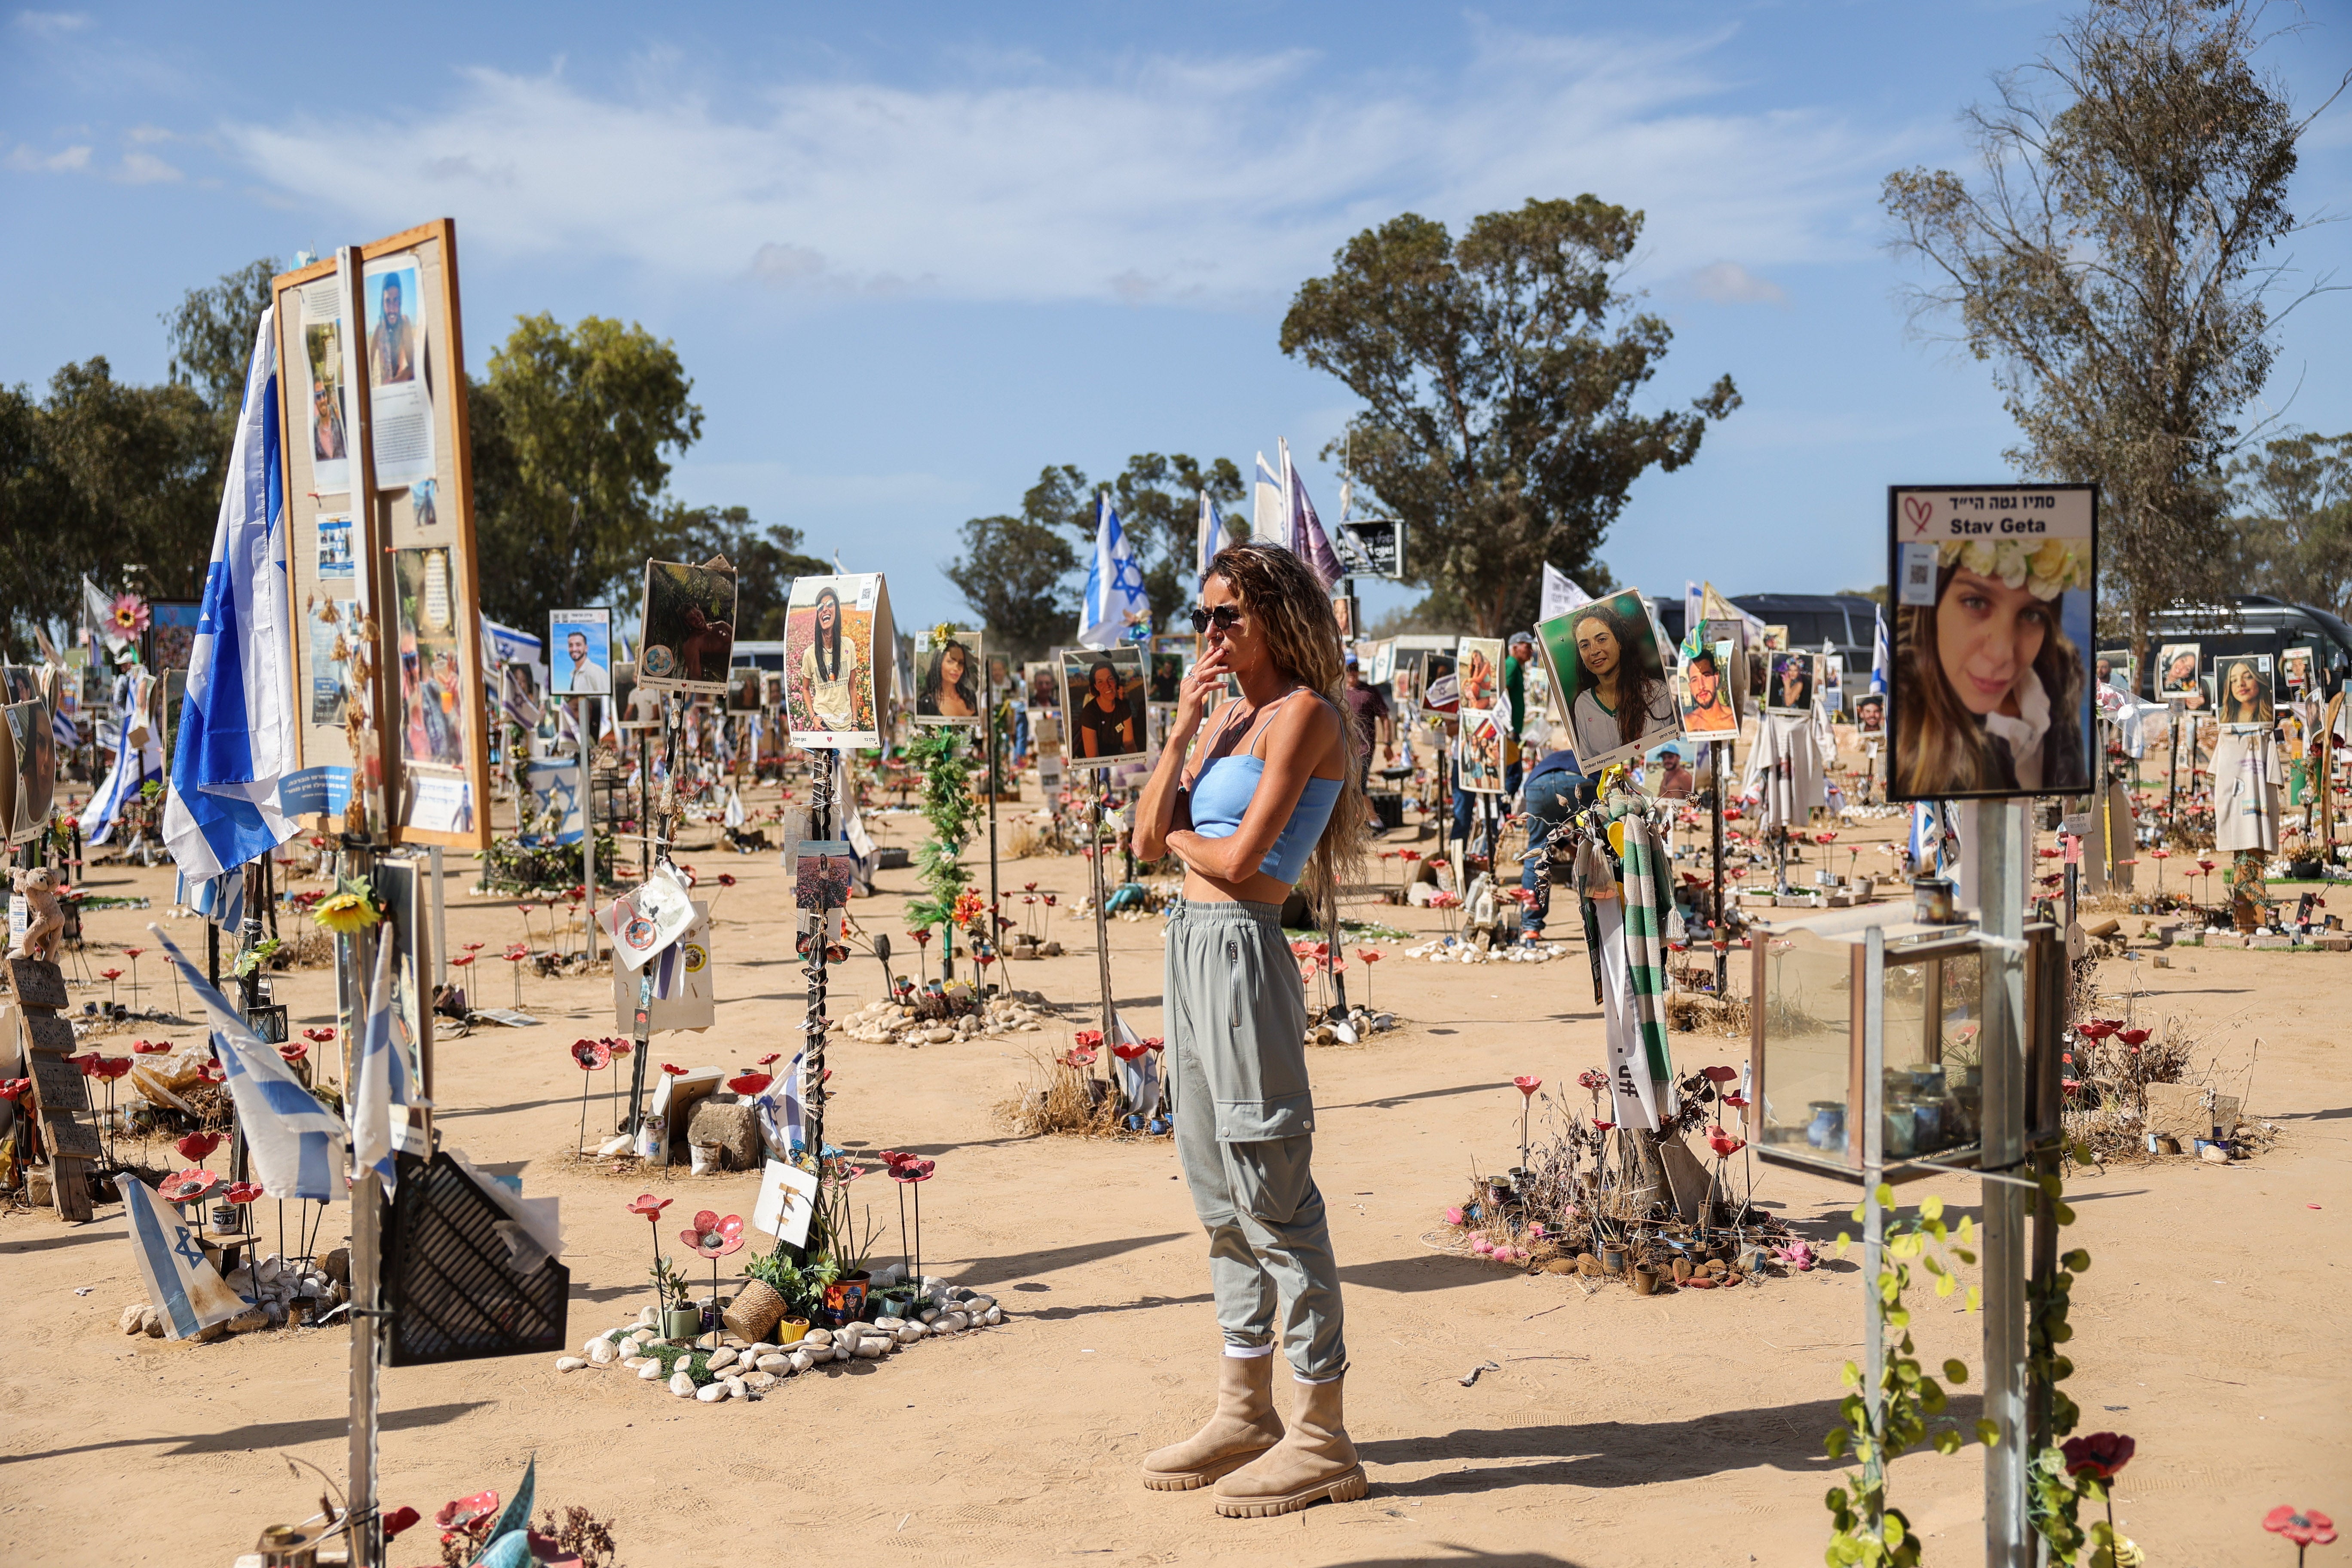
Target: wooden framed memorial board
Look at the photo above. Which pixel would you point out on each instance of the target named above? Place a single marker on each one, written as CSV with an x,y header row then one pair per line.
x,y
379,524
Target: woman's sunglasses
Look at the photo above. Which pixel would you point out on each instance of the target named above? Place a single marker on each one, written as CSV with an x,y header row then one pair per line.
x,y
1224,617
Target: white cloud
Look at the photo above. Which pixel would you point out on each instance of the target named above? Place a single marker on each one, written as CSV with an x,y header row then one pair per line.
x,y
52,23
1728,283
1213,181
72,160
144,169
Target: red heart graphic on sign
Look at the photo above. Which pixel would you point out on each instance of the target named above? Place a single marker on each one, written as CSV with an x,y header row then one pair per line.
x,y
1920,513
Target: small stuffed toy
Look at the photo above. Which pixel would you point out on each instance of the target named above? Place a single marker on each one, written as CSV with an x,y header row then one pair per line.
x,y
39,886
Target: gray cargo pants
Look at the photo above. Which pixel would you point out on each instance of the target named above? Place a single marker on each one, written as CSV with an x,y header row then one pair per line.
x,y
1245,1122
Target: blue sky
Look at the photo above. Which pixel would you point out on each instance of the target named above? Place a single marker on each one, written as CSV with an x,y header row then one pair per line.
x,y
912,253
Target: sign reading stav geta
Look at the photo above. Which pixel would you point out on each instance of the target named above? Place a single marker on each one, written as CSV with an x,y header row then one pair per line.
x,y
380,559
1992,679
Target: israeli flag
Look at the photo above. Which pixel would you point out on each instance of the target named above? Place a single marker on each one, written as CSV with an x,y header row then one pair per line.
x,y
181,1281
1880,658
133,765
1115,603
220,900
297,1143
236,726
782,1109
1215,534
380,1080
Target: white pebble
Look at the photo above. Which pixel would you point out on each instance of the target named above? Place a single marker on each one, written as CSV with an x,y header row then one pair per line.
x,y
711,1392
722,1360
603,1353
681,1382
570,1363
650,1369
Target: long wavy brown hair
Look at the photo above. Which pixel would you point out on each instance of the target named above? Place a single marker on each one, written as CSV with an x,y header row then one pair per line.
x,y
1303,636
1942,748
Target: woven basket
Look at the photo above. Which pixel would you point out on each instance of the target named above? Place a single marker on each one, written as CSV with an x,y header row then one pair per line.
x,y
757,1309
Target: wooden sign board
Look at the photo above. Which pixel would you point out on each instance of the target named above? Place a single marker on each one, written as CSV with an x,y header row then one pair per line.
x,y
59,1084
380,512
36,982
48,1032
70,1141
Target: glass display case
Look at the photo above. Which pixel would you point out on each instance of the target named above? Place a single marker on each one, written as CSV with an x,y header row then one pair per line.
x,y
1834,1094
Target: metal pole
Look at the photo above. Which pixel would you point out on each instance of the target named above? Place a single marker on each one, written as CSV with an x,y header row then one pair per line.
x,y
440,918
813,1024
365,1524
1102,916
1722,927
2001,848
988,713
587,822
1874,1214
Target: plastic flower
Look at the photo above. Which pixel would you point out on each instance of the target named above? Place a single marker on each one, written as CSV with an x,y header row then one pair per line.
x,y
751,1083
1527,1086
592,1055
243,1192
1736,1102
188,1187
649,1206
110,974
129,615
1797,1255
294,1053
1454,1216
345,913
1724,1144
1599,1125
1719,1074
398,1519
673,1069
1369,954
1592,1079
1481,1246
911,1170
473,1515
15,1088
318,1037
198,1146
2102,1454
157,1047
771,1058
713,1237
1078,1057
2304,1526
1089,1038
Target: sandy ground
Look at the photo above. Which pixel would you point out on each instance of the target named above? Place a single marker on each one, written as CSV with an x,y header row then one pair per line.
x,y
1683,1430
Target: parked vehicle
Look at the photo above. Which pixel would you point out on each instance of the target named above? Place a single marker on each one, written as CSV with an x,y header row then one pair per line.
x,y
2252,623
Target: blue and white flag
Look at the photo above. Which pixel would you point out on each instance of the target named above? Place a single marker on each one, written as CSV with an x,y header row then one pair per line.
x,y
295,1143
380,1079
236,726
1306,538
782,1109
1115,603
62,730
133,765
1215,534
181,1281
220,900
1880,658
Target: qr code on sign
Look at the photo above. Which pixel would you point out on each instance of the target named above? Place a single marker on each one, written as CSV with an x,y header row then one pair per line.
x,y
1918,583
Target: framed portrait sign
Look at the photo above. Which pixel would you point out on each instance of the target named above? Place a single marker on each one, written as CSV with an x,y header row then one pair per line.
x,y
1103,705
746,689
2299,674
1993,675
836,688
2246,694
949,662
580,652
1709,699
686,628
380,535
1041,681
2116,667
1608,668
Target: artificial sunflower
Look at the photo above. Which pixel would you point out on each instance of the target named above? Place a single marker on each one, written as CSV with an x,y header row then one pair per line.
x,y
346,912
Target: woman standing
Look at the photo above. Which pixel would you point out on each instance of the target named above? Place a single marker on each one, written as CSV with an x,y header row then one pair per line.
x,y
1270,801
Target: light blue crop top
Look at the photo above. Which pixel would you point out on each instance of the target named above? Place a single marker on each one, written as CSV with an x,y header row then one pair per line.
x,y
1222,792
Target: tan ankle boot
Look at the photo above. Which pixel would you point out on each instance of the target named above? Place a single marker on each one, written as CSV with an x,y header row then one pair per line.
x,y
1244,1426
1314,1460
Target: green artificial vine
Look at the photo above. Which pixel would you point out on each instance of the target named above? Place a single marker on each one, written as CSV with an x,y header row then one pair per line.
x,y
1911,1404
2053,1497
938,756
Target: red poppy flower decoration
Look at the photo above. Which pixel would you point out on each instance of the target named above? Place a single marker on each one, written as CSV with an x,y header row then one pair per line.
x,y
1603,1126
911,1171
473,1515
398,1519
673,1070
152,1047
1592,1079
592,1055
1128,1053
294,1053
198,1146
2304,1526
1721,1074
15,1088
647,1207
1527,1086
1089,1038
771,1058
1724,1144
714,1236
243,1192
318,1037
2102,1454
188,1187
751,1083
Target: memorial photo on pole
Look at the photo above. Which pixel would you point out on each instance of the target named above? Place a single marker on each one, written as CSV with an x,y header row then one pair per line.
x,y
1478,753
686,632
1440,692
1706,695
833,687
1788,688
1043,678
1104,698
746,689
948,676
1610,675
2178,666
2244,698
2115,667
580,652
1480,672
1992,654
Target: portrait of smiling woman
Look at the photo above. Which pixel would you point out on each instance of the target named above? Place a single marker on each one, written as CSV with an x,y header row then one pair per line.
x,y
2243,683
1605,658
1989,688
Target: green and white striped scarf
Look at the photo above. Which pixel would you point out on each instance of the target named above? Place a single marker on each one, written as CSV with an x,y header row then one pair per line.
x,y
1645,957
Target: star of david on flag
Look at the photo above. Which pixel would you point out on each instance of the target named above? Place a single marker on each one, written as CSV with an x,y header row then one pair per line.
x,y
1115,600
